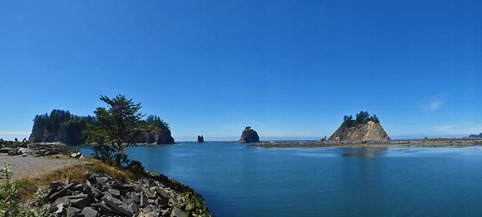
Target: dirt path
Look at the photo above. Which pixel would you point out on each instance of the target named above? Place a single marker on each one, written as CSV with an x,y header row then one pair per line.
x,y
29,166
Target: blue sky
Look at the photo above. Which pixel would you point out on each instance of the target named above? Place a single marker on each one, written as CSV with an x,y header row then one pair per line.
x,y
289,69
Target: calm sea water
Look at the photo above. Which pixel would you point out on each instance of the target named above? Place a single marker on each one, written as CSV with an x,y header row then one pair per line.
x,y
239,180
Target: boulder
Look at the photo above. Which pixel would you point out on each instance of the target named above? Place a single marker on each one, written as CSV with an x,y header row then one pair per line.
x,y
89,212
176,212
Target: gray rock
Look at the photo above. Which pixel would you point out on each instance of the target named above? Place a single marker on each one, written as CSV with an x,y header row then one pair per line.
x,y
132,208
173,203
60,210
72,212
161,202
129,187
87,190
87,182
62,200
97,193
114,192
143,202
115,185
56,186
136,197
148,193
162,192
87,175
80,202
117,206
89,212
78,187
101,180
109,200
189,207
62,192
165,212
176,212
104,209
151,182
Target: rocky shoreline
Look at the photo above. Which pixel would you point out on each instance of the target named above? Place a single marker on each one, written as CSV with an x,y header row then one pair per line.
x,y
98,194
101,195
362,144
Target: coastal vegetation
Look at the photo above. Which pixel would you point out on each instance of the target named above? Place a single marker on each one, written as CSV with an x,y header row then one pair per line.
x,y
361,118
62,126
11,197
116,129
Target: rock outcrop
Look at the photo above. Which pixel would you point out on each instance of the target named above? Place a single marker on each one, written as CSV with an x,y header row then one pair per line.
x,y
369,131
163,137
101,195
249,135
61,126
200,139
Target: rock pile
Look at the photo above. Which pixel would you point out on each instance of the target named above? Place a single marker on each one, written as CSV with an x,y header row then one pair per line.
x,y
101,195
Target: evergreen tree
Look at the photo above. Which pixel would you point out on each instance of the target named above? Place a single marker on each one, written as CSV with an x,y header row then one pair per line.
x,y
116,129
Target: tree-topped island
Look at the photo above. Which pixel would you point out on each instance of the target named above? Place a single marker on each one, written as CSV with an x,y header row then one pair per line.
x,y
361,118
62,126
363,128
249,135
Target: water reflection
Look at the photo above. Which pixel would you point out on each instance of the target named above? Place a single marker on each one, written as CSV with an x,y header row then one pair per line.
x,y
364,152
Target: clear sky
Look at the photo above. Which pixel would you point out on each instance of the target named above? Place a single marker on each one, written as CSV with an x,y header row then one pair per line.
x,y
289,69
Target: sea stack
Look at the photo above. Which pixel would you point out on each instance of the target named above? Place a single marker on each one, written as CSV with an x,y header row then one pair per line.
x,y
363,128
249,135
200,139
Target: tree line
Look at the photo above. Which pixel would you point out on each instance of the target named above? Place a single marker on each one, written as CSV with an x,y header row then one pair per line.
x,y
361,118
61,125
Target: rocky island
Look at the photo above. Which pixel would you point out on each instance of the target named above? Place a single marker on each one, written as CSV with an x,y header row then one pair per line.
x,y
62,126
364,128
249,136
200,139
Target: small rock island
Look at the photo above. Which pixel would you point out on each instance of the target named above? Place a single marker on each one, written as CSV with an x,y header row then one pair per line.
x,y
363,128
200,139
249,136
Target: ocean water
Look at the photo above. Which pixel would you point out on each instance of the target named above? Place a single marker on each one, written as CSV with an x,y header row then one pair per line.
x,y
240,180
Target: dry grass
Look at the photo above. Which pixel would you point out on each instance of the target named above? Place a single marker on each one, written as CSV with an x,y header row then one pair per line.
x,y
28,186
